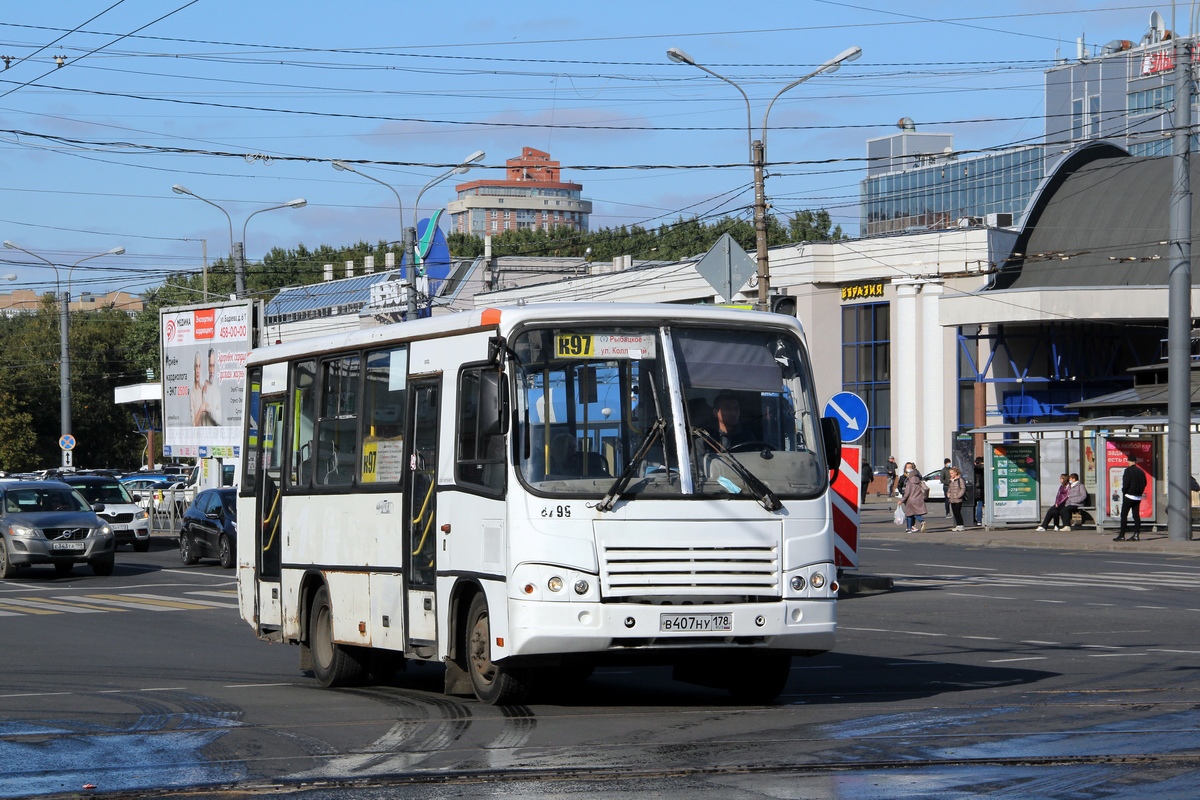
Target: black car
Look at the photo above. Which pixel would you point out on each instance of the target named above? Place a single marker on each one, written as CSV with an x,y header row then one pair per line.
x,y
47,522
210,528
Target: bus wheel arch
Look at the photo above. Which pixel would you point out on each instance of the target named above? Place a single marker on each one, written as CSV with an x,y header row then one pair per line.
x,y
333,664
495,682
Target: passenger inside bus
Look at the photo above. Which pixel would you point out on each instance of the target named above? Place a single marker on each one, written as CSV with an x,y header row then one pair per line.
x,y
565,458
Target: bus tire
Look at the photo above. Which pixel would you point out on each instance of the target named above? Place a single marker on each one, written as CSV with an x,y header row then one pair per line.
x,y
494,683
333,664
760,678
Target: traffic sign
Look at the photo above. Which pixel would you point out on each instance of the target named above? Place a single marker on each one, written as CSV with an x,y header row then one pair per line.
x,y
66,442
851,413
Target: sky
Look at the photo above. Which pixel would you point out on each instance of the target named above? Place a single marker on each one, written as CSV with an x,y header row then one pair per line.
x,y
247,104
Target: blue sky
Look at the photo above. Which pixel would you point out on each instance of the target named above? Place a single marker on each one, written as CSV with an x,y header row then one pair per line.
x,y
246,104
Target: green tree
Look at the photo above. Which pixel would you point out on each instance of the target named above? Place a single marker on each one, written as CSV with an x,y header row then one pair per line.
x,y
18,443
813,226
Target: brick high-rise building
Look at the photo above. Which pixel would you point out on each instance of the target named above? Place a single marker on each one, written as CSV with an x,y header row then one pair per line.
x,y
531,196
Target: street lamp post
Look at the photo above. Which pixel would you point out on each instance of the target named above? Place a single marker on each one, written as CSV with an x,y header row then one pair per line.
x,y
410,247
408,236
758,154
237,250
64,321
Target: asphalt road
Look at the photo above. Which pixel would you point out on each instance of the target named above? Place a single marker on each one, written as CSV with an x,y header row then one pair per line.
x,y
1012,672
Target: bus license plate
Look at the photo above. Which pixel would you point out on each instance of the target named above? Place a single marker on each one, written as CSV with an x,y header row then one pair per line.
x,y
695,623
67,545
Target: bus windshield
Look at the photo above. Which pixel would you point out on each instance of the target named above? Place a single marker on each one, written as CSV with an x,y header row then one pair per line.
x,y
749,406
589,398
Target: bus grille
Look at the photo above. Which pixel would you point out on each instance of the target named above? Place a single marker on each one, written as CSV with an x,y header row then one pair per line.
x,y
748,571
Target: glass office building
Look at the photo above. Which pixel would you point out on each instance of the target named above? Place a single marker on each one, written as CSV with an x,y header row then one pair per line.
x,y
940,190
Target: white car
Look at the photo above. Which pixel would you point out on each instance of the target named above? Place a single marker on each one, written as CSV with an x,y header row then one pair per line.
x,y
130,523
938,492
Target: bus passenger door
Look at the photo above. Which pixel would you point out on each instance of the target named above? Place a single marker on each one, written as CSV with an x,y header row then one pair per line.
x,y
267,525
420,515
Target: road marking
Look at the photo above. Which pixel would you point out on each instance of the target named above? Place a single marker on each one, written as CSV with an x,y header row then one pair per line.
x,y
984,638
37,694
209,603
1110,655
10,614
1056,602
157,605
228,593
1185,652
1152,608
956,566
5,607
55,605
1048,644
1010,660
265,685
980,596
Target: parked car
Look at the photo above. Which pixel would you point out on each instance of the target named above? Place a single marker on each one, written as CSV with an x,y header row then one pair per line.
x,y
938,492
210,528
155,492
48,522
130,522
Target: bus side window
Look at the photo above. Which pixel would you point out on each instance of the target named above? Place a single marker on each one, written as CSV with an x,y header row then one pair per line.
x,y
381,453
480,451
337,427
304,421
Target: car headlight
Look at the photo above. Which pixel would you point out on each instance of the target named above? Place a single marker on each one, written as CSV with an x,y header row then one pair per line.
x,y
102,531
24,532
141,515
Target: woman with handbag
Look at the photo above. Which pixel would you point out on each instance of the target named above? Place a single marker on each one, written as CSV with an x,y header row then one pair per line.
x,y
956,490
913,501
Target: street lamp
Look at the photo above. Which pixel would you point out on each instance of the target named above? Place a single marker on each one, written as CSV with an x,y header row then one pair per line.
x,y
64,321
410,245
237,250
758,153
342,166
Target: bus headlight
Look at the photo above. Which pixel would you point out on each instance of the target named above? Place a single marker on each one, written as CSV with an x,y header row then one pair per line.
x,y
817,580
798,583
555,584
581,586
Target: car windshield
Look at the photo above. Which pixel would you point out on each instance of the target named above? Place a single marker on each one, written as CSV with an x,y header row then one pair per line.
x,y
32,500
109,493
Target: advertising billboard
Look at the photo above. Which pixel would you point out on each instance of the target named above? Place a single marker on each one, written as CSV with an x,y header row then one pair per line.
x,y
204,351
1015,482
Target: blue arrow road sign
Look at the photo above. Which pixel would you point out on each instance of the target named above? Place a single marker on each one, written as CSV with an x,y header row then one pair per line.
x,y
851,413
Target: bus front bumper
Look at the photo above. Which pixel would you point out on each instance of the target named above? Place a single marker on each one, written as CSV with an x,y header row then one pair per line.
x,y
544,628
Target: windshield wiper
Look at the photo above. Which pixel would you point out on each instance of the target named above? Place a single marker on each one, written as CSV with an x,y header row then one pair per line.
x,y
656,430
766,498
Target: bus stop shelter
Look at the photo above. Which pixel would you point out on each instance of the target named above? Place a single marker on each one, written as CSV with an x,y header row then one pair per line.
x,y
1022,463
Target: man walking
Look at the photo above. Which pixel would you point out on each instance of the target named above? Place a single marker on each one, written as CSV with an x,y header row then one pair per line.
x,y
979,475
892,471
1133,486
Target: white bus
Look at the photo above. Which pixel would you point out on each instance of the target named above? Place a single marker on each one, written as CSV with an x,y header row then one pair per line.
x,y
524,493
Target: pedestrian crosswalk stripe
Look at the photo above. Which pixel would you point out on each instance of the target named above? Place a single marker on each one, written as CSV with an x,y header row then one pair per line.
x,y
144,602
56,605
6,607
207,603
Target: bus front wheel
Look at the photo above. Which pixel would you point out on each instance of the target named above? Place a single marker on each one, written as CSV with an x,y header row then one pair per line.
x,y
494,683
333,664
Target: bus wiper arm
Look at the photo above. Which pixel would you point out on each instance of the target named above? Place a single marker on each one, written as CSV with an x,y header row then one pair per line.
x,y
766,498
656,430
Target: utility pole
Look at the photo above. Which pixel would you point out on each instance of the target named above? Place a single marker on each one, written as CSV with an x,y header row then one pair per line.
x,y
239,268
757,150
1179,315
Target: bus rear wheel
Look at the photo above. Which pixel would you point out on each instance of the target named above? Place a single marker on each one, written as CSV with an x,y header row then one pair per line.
x,y
333,664
494,683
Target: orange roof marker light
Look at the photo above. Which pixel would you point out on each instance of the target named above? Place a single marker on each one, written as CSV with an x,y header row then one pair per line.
x,y
490,316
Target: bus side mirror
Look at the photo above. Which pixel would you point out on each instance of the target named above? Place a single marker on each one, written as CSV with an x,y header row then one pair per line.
x,y
493,403
831,434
